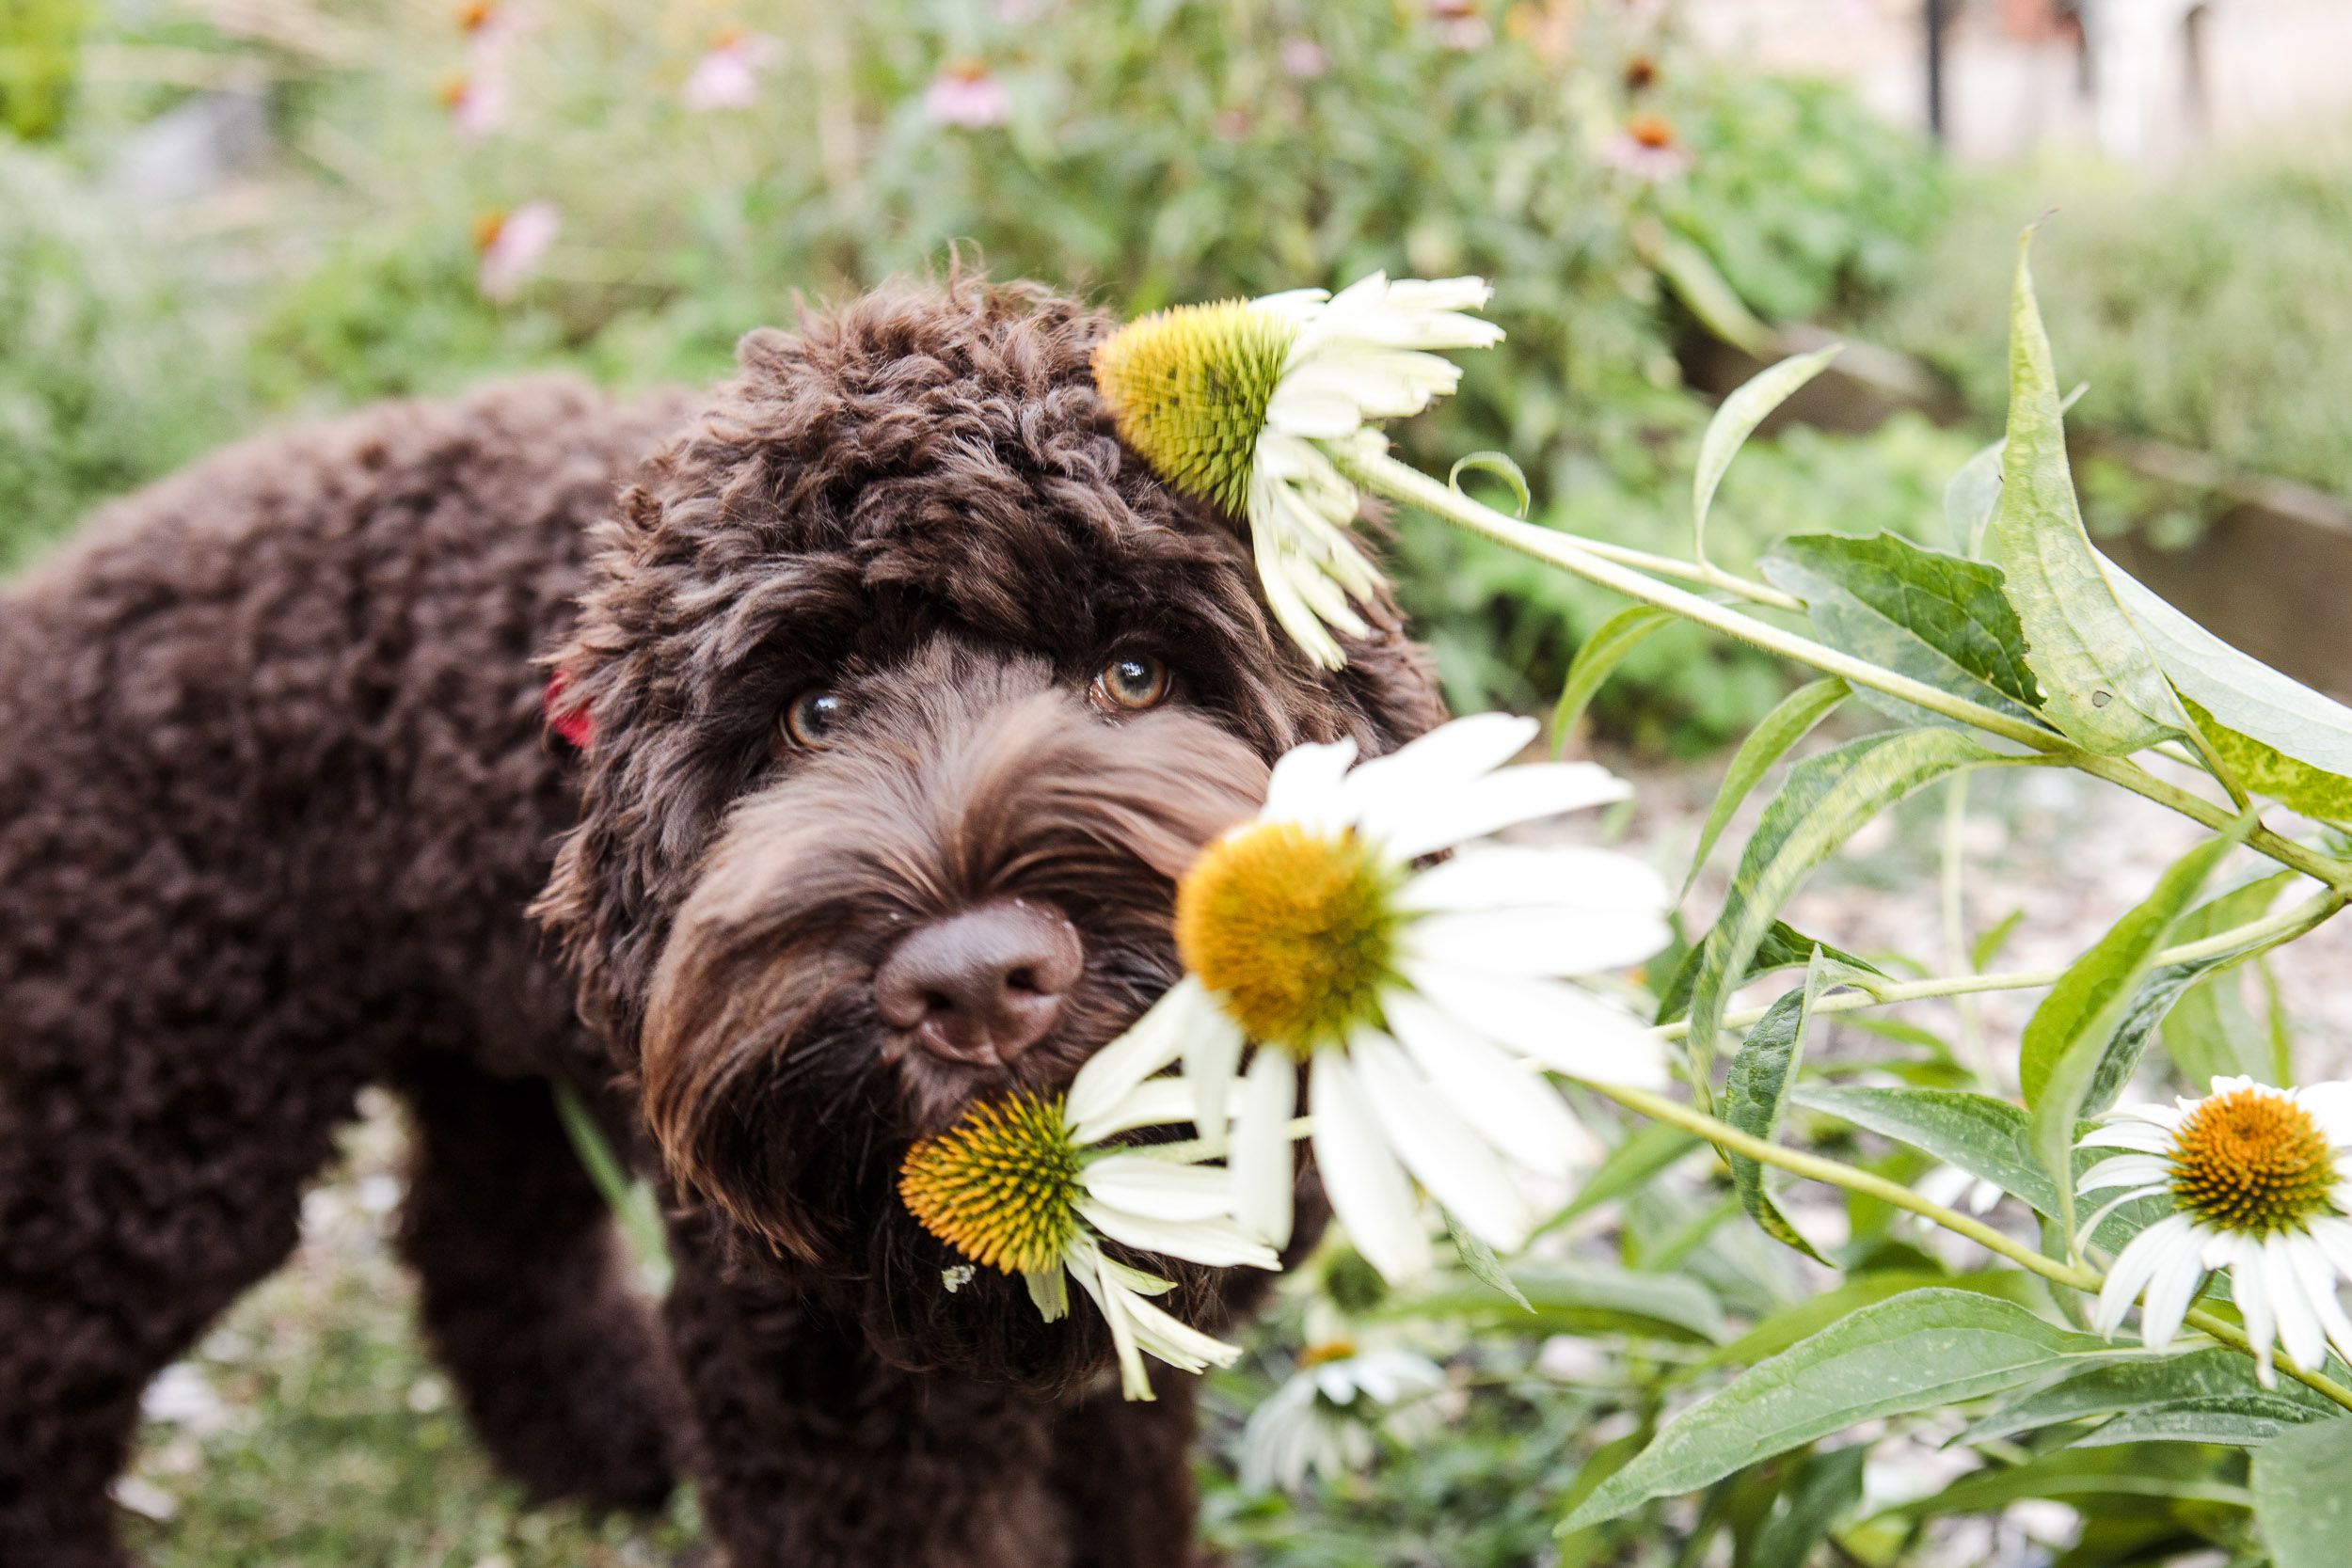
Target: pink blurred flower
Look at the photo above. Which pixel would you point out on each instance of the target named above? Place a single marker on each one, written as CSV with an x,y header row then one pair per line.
x,y
1460,24
1649,148
1303,60
490,26
965,93
513,244
477,101
727,76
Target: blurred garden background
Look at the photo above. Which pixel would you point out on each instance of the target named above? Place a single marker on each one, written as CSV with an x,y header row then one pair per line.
x,y
218,214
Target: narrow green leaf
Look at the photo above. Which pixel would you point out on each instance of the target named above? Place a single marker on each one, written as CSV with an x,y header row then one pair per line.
x,y
2247,1420
1735,420
2212,1380
1500,463
1970,497
2098,1473
2263,769
2302,1504
1784,1328
2070,1034
1825,1490
1651,1147
2099,683
1484,1266
2238,689
1914,1351
1823,800
1791,720
1692,274
1566,1298
1755,1098
1986,1138
1937,618
1596,659
1783,947
1987,946
2210,1033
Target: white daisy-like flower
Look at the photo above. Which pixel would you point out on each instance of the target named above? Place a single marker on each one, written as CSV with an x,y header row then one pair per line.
x,y
1322,1419
1016,1185
1423,1003
2260,1185
1229,401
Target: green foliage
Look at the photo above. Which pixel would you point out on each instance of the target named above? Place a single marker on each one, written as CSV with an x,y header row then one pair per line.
x,y
2300,1491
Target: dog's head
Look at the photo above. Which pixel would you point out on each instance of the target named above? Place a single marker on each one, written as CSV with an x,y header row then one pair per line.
x,y
912,692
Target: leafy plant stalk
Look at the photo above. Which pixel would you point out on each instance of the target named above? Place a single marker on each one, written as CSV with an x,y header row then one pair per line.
x,y
1384,475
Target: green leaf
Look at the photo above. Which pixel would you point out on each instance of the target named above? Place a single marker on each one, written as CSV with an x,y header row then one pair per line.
x,y
2072,1473
2210,1033
1823,800
1916,1352
1987,946
1651,1147
2263,769
1596,659
1937,618
1566,1298
1783,947
1756,1098
1693,276
2213,1383
1479,1259
2070,1032
1986,1138
1791,720
2099,683
1970,497
1791,1324
2240,690
1825,1490
1503,465
2302,1504
2247,1420
1735,420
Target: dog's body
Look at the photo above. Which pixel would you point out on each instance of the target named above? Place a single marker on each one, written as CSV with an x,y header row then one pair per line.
x,y
276,795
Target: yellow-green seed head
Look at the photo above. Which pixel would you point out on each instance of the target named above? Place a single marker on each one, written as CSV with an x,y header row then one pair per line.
x,y
1190,386
1001,1186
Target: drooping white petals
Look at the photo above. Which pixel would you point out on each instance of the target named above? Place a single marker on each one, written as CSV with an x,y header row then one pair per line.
x,y
1562,1026
1304,786
1458,1167
1368,1187
2139,1262
1507,1100
1258,1158
1153,1041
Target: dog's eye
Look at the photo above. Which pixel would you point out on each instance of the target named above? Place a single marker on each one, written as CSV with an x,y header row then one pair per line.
x,y
813,719
1130,684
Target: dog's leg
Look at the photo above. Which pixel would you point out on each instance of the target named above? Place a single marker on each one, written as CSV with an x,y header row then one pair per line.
x,y
1124,1473
815,1454
556,1357
141,1191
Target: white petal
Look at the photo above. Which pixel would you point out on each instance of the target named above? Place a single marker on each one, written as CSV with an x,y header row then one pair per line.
x,y
2138,1136
1156,1189
1150,1044
1305,786
1452,1158
2298,1322
1259,1164
1567,1029
2317,1273
2126,1171
1368,1188
2132,1270
1438,763
1523,1114
1153,1102
1049,1291
2179,1276
1512,876
1175,1342
2334,1236
1217,1244
1538,942
1085,1266
1212,1056
2330,1105
2090,1227
2249,1289
1501,800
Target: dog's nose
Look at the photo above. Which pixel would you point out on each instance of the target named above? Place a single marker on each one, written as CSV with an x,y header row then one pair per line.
x,y
982,985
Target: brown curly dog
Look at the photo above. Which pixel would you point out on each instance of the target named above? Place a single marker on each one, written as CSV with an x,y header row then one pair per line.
x,y
901,691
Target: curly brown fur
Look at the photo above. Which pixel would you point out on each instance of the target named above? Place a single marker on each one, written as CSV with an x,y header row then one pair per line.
x,y
274,797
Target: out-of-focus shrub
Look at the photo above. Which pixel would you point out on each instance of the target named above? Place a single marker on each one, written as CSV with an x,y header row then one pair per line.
x,y
2213,309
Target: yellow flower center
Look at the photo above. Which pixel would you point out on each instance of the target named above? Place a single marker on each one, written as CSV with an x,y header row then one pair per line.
x,y
1330,1350
1188,389
2252,1161
1001,1186
1294,930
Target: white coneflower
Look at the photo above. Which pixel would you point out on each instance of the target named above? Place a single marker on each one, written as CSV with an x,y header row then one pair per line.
x,y
2260,1183
1017,1186
1227,400
1421,1002
1323,1418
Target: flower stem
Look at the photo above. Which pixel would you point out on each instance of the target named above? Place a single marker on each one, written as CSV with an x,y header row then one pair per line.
x,y
1384,475
2255,934
1838,1174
